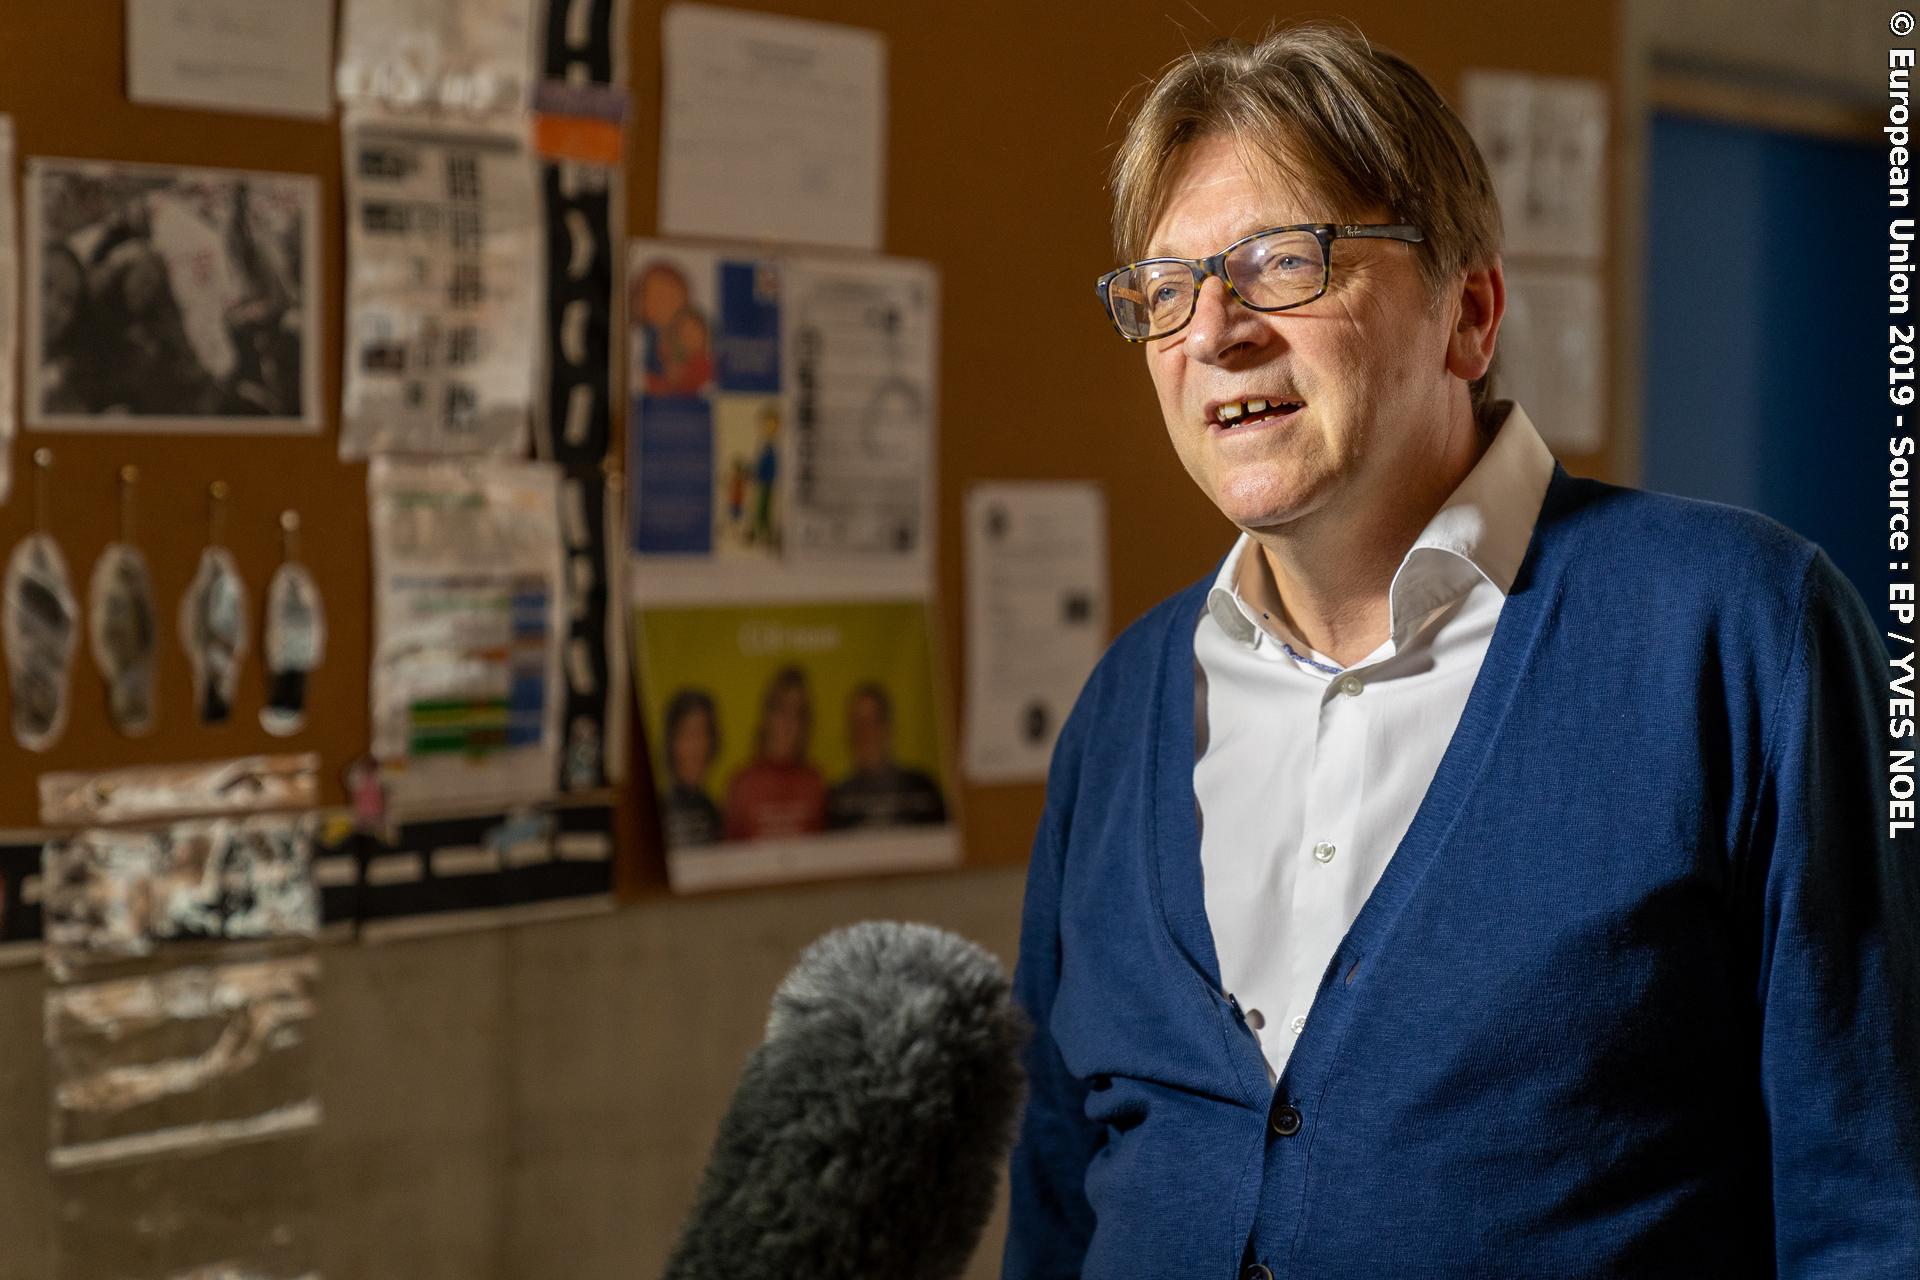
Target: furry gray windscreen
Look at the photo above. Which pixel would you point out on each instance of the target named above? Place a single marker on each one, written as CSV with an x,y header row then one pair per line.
x,y
868,1132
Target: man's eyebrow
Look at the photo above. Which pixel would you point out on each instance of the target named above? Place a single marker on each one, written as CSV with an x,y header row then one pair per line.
x,y
1157,250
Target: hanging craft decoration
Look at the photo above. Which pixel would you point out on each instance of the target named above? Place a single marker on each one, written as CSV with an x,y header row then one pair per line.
x,y
122,622
213,621
296,639
40,618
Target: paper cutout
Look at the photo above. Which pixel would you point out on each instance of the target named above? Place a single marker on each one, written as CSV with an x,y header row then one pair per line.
x,y
367,794
123,632
296,645
39,622
213,631
151,792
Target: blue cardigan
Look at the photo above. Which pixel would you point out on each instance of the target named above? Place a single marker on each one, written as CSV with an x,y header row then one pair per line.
x,y
1623,1004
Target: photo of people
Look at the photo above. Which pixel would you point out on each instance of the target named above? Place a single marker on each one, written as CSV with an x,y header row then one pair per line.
x,y
747,442
693,739
674,336
779,792
791,725
177,298
879,791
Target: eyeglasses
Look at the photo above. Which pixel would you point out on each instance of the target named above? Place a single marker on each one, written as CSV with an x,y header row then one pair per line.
x,y
1270,270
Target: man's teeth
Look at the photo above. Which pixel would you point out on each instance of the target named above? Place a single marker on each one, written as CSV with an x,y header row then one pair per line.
x,y
1245,408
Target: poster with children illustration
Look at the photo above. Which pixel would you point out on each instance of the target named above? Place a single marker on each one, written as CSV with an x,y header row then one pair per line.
x,y
794,741
708,439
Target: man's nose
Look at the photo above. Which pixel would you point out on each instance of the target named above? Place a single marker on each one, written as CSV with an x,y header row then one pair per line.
x,y
1221,329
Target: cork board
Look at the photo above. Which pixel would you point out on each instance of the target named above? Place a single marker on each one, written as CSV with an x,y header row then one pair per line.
x,y
1001,119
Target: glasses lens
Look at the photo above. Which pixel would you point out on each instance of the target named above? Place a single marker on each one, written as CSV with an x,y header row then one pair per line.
x,y
1278,270
1151,298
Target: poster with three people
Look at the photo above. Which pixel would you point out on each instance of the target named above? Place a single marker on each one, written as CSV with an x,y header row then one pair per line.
x,y
795,740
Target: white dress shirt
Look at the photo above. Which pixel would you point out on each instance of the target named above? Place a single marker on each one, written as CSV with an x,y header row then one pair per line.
x,y
1308,775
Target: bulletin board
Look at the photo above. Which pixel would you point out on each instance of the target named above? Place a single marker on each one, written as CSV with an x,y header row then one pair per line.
x,y
1001,121
63,71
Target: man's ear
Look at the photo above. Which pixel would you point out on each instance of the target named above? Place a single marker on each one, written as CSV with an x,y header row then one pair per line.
x,y
1479,306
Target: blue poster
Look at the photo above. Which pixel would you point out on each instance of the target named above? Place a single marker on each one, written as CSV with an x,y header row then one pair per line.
x,y
672,468
749,342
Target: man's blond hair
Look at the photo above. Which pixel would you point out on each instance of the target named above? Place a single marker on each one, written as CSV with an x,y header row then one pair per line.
x,y
1355,126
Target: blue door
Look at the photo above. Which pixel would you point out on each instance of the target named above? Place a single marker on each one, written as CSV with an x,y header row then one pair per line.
x,y
1765,332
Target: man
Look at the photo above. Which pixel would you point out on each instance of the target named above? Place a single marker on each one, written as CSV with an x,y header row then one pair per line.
x,y
1485,872
879,791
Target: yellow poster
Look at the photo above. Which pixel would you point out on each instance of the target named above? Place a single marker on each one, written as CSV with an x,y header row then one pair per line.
x,y
794,740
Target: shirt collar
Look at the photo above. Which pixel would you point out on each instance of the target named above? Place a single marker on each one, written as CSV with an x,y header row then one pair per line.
x,y
1480,532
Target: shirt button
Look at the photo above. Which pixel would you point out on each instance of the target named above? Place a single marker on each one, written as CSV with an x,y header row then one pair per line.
x,y
1299,1023
1323,851
1286,1121
1256,1272
1256,1019
1351,686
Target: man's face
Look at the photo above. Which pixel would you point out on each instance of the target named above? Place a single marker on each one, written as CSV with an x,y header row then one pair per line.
x,y
869,736
692,747
787,721
1367,361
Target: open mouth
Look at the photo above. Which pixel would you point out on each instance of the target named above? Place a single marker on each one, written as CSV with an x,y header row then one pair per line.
x,y
1242,413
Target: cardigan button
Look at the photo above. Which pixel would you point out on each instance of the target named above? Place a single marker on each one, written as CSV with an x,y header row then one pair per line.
x,y
1256,1272
1286,1121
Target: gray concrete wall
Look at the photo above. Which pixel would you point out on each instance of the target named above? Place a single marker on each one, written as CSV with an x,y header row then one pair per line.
x,y
526,1102
1832,46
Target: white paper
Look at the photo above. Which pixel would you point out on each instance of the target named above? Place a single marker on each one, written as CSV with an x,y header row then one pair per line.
x,y
172,299
269,56
1545,141
1036,619
461,56
444,247
1552,354
469,619
860,350
9,306
772,128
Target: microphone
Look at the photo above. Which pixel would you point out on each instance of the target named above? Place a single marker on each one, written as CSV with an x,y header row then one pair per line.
x,y
868,1130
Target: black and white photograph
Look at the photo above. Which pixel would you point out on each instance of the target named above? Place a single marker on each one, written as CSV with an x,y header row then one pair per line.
x,y
171,299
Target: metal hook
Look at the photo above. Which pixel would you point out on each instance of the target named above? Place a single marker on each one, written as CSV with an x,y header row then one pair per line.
x,y
129,479
216,511
42,489
289,534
